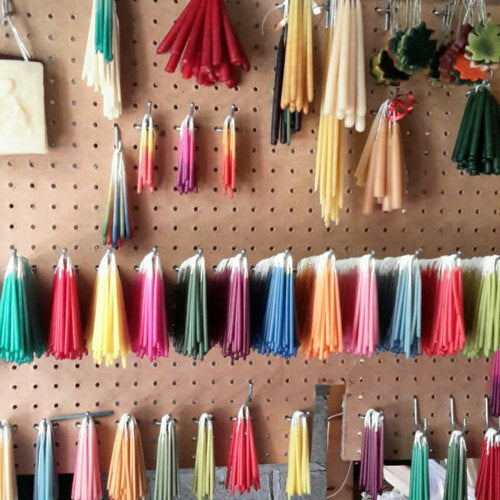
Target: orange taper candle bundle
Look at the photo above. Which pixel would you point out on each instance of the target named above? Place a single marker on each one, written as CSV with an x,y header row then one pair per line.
x,y
229,154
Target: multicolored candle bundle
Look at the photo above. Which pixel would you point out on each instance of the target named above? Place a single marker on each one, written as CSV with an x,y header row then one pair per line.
x,y
21,335
148,314
118,222
191,328
229,154
145,174
46,481
400,299
272,288
167,461
371,475
455,486
243,467
8,481
443,331
419,474
101,67
107,330
127,471
495,385
87,477
488,483
65,335
186,174
359,305
205,40
204,467
298,480
318,306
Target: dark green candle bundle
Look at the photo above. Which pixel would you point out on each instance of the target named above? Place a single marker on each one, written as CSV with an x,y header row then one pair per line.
x,y
477,148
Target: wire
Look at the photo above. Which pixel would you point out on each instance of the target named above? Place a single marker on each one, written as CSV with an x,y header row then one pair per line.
x,y
341,487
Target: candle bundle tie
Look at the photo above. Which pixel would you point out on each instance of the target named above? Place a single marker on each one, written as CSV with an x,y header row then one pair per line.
x,y
118,221
419,474
381,166
186,175
359,305
495,384
145,175
481,276
371,476
243,467
318,306
21,335
443,331
101,66
399,291
229,154
8,482
45,481
148,314
167,461
127,471
87,477
272,288
488,483
231,306
204,468
190,328
205,40
298,481
455,486
65,335
107,330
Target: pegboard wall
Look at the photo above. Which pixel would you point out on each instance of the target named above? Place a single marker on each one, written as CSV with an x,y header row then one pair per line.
x,y
55,201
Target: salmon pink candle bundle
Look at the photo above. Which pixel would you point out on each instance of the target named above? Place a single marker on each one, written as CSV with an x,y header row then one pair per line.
x,y
186,175
318,306
107,330
87,477
443,331
488,482
359,305
243,467
371,475
65,336
495,384
8,482
229,154
204,466
145,176
298,480
203,37
127,470
46,480
148,315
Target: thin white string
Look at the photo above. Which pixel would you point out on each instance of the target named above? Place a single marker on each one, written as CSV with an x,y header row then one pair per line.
x,y
7,17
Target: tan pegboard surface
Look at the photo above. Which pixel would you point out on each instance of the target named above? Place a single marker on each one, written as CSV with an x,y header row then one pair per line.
x,y
54,201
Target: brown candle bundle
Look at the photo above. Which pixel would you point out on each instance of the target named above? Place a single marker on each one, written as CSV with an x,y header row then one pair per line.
x,y
380,168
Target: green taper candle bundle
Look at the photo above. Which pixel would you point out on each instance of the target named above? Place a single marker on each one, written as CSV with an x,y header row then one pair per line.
x,y
167,461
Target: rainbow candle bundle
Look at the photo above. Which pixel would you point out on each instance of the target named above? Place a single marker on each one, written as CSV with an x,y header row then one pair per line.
x,y
186,174
148,314
21,336
298,481
229,154
107,330
204,466
8,481
65,335
167,484
46,481
145,174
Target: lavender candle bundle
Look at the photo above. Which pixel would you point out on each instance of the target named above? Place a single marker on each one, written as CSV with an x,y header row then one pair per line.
x,y
372,454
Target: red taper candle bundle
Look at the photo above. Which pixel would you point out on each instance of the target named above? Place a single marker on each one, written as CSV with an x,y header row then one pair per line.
x,y
488,475
65,336
205,40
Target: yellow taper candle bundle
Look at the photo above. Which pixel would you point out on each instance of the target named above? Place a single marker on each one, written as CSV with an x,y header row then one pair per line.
x,y
298,481
204,469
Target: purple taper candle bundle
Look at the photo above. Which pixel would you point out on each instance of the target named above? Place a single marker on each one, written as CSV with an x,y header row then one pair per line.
x,y
372,454
495,384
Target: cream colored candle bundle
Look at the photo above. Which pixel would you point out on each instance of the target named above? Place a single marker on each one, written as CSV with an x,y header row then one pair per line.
x,y
8,484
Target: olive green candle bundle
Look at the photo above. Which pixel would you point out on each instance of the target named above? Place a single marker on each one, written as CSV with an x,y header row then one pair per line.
x,y
204,468
455,487
167,461
419,474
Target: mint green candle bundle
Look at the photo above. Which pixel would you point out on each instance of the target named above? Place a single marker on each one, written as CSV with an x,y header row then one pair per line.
x,y
21,335
455,487
167,461
419,474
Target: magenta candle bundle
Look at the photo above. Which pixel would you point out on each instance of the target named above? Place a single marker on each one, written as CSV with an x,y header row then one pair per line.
x,y
495,385
148,315
186,174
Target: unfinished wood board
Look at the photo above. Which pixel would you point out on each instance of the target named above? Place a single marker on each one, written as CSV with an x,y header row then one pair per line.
x,y
57,201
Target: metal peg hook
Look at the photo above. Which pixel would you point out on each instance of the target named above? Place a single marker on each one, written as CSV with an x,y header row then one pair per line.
x,y
416,420
6,12
250,392
288,418
149,107
487,412
452,413
387,14
155,251
117,136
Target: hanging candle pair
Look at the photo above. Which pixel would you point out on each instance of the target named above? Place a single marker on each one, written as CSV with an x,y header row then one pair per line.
x,y
318,306
65,335
45,481
359,305
229,154
487,484
87,477
21,336
419,473
186,174
8,481
148,314
495,384
107,329
167,461
191,328
274,298
399,291
145,171
203,41
298,480
371,475
455,486
204,468
127,470
101,66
